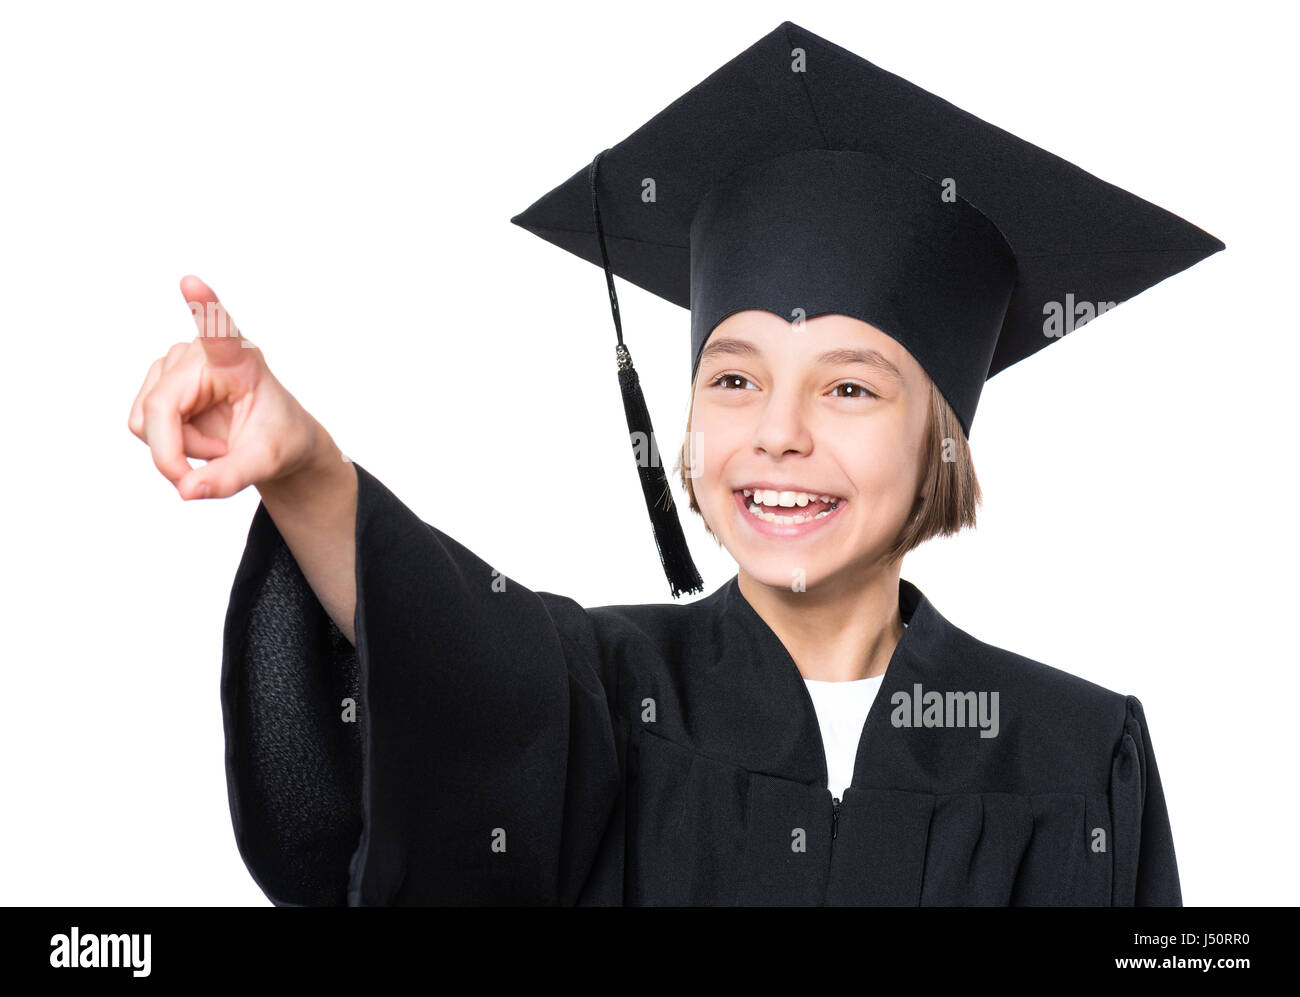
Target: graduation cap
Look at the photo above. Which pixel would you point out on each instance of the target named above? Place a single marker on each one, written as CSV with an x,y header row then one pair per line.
x,y
802,180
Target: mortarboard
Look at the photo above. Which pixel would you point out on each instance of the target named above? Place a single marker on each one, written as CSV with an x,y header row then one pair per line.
x,y
802,180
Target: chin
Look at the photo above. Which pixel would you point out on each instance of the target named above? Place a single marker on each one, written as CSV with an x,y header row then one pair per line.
x,y
787,572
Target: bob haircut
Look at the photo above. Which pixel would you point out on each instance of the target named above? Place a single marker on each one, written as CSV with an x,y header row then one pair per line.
x,y
949,491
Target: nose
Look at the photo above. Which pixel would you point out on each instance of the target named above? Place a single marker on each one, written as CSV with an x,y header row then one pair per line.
x,y
783,427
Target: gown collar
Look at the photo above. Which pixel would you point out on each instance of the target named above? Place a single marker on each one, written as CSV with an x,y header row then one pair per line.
x,y
769,718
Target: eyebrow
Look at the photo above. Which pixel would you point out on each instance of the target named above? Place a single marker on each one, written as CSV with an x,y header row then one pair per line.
x,y
867,357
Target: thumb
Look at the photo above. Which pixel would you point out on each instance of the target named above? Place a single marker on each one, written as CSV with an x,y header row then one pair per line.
x,y
221,477
221,338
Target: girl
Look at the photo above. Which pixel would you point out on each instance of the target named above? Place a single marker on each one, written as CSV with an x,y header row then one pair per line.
x,y
404,724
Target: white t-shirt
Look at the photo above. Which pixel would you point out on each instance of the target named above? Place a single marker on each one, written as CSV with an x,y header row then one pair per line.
x,y
842,709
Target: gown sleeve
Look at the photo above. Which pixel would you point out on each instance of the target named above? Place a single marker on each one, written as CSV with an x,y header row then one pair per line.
x,y
464,751
1145,867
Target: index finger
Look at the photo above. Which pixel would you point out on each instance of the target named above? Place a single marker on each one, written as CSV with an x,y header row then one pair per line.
x,y
221,338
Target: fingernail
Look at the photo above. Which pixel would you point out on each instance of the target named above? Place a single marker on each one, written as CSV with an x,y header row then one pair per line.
x,y
203,490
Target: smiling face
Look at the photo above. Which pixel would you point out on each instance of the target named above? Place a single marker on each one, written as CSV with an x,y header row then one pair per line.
x,y
835,409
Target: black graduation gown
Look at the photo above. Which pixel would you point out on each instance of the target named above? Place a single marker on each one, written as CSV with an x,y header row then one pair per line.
x,y
511,746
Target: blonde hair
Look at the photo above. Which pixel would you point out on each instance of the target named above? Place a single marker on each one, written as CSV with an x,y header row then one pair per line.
x,y
949,492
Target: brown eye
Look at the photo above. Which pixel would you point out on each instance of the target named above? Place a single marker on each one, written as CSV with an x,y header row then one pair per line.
x,y
861,391
729,381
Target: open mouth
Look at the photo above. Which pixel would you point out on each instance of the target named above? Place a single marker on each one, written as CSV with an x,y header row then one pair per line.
x,y
788,508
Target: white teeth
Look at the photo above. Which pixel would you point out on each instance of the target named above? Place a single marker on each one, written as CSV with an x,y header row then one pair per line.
x,y
771,497
772,517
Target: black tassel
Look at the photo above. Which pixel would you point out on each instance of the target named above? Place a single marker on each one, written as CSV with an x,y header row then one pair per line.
x,y
673,550
674,553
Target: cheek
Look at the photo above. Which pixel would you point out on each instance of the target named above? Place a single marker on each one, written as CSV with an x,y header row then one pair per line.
x,y
713,442
885,475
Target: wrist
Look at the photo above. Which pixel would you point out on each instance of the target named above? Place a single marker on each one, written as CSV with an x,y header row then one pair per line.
x,y
322,473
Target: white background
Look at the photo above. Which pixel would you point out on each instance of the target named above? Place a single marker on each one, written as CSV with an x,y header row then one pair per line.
x,y
343,176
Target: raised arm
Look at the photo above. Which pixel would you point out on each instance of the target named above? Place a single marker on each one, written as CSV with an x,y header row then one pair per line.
x,y
215,399
315,511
